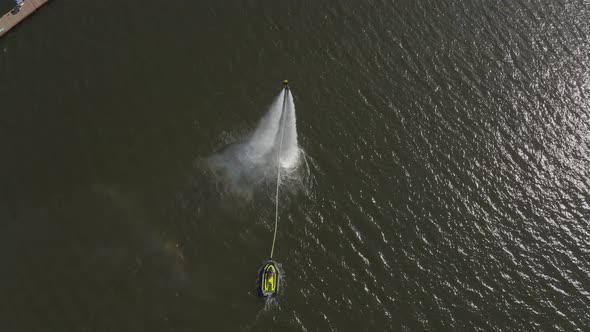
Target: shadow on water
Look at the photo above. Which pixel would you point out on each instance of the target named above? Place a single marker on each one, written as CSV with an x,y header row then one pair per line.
x,y
6,6
91,259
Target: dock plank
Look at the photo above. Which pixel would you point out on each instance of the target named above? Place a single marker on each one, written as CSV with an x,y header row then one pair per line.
x,y
10,19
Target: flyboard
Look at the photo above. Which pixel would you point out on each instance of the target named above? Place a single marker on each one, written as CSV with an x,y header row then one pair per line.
x,y
270,273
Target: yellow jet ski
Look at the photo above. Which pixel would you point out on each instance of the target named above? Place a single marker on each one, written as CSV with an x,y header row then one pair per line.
x,y
269,280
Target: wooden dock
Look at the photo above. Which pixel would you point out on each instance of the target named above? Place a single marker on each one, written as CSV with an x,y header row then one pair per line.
x,y
12,18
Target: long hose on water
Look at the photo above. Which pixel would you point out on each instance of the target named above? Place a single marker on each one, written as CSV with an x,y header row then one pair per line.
x,y
283,117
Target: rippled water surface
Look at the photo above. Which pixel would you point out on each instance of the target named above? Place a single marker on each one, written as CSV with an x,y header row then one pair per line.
x,y
447,184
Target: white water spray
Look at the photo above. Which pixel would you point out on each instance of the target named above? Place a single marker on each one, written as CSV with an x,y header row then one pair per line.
x,y
289,153
242,166
263,139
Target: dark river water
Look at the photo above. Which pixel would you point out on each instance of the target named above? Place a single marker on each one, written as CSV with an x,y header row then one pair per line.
x,y
447,184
